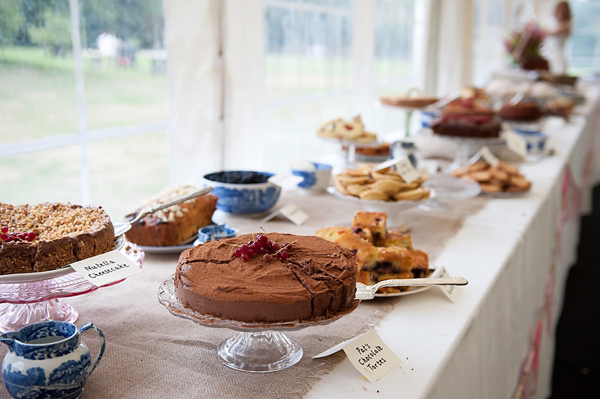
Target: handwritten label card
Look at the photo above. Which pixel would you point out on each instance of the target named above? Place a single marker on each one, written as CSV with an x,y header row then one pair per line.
x,y
371,356
451,291
286,181
106,268
407,170
516,143
489,157
291,212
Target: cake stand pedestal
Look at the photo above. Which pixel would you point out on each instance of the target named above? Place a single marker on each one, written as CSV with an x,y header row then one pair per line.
x,y
351,146
256,348
464,146
34,297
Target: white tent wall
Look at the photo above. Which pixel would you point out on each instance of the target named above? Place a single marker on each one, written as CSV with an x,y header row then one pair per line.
x,y
217,74
195,87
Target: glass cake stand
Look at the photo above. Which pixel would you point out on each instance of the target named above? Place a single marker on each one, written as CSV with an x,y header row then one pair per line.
x,y
464,146
448,187
257,347
351,145
32,297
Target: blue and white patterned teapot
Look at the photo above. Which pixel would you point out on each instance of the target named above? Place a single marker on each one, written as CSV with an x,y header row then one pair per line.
x,y
48,360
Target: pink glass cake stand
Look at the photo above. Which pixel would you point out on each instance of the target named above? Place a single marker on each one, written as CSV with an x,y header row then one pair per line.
x,y
32,297
257,347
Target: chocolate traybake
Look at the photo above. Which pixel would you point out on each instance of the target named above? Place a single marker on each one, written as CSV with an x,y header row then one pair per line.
x,y
267,278
48,236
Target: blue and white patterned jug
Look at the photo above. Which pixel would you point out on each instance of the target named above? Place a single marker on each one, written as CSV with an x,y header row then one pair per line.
x,y
48,360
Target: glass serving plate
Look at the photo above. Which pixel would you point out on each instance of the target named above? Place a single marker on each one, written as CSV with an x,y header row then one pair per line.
x,y
437,272
448,187
506,194
28,298
390,207
257,347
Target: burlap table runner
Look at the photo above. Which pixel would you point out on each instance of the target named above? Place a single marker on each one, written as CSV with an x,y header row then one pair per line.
x,y
152,354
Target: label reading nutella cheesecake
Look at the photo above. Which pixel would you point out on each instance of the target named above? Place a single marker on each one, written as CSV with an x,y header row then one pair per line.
x,y
371,356
106,268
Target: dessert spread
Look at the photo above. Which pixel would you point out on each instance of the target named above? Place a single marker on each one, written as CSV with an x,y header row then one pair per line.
x,y
382,185
48,236
348,130
175,224
380,254
502,178
267,278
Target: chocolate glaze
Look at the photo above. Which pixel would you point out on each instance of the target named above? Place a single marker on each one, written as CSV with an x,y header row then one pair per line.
x,y
317,280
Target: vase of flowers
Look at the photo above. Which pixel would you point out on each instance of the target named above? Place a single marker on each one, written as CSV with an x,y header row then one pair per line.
x,y
524,47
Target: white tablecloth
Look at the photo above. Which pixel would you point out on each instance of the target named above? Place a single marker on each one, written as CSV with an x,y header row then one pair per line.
x,y
475,348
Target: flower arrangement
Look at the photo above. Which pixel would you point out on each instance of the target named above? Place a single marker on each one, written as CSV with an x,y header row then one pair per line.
x,y
524,47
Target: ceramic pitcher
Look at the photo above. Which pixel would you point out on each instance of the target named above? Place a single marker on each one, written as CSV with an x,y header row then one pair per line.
x,y
48,360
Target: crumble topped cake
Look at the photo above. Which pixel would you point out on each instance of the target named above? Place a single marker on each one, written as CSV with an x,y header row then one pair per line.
x,y
175,224
48,236
268,278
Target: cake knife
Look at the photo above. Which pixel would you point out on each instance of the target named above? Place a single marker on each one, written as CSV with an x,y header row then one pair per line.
x,y
365,292
123,228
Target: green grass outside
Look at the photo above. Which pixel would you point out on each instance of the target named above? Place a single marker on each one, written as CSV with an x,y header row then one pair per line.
x,y
38,99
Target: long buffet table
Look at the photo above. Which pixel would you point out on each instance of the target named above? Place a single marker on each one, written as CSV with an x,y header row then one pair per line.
x,y
495,341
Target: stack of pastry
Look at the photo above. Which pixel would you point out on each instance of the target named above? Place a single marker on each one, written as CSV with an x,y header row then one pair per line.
x,y
501,178
382,185
346,130
380,254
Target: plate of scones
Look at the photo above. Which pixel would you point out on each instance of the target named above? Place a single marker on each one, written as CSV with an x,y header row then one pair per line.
x,y
381,254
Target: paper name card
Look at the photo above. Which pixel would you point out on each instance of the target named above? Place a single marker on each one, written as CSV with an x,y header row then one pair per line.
x,y
371,356
516,143
406,169
106,268
292,212
452,292
285,180
489,157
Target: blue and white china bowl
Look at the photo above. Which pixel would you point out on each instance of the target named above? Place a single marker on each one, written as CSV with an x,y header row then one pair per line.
x,y
427,117
48,360
536,140
214,232
244,198
316,176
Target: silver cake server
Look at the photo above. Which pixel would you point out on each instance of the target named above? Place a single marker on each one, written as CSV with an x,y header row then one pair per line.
x,y
124,227
365,292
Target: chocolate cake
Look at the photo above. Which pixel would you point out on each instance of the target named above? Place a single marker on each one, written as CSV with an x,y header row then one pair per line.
x,y
473,126
522,111
35,238
175,224
307,279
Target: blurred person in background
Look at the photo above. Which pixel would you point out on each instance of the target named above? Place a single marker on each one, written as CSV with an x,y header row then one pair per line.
x,y
556,38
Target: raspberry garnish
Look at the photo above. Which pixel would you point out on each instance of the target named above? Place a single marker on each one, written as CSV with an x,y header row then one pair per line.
x,y
16,236
262,245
